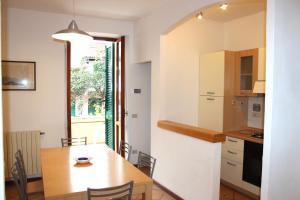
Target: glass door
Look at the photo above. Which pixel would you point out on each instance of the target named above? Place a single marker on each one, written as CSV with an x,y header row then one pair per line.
x,y
246,72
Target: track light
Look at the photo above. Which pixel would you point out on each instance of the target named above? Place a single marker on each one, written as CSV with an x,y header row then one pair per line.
x,y
200,16
224,6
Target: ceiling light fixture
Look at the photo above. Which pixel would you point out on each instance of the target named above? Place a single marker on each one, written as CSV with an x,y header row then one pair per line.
x,y
200,16
224,6
72,33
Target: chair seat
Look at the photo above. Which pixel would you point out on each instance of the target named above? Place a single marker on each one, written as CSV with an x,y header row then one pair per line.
x,y
35,187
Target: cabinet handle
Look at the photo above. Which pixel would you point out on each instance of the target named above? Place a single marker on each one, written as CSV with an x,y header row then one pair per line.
x,y
231,152
210,93
230,140
210,99
231,164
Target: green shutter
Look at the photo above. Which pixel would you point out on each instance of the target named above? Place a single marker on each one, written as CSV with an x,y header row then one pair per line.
x,y
109,97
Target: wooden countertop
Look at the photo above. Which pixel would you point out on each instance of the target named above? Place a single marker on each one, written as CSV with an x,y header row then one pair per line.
x,y
245,135
192,131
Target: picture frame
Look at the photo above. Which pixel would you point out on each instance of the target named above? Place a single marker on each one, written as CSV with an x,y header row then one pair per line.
x,y
18,75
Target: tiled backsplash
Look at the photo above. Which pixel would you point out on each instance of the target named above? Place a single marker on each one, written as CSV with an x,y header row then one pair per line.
x,y
256,107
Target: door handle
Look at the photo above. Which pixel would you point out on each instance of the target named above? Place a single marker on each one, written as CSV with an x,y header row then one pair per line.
x,y
230,140
210,93
231,152
231,164
210,99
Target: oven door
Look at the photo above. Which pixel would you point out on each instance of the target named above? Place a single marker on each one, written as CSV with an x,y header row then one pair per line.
x,y
252,165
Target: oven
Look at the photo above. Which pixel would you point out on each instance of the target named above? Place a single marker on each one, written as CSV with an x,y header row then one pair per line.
x,y
252,166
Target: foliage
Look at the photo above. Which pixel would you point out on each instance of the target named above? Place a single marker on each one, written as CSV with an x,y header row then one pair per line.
x,y
87,82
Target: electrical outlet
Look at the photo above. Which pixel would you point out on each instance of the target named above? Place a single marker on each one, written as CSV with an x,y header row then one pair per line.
x,y
134,151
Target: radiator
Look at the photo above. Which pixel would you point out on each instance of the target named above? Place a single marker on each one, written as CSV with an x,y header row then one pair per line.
x,y
29,143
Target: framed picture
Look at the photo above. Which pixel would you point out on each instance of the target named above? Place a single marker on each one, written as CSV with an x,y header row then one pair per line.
x,y
18,75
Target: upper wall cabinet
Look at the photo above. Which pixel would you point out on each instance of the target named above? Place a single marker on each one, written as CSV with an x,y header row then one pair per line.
x,y
212,74
246,71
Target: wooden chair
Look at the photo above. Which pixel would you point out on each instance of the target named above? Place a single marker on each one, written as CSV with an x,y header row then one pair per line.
x,y
124,149
19,182
65,142
30,187
146,163
122,192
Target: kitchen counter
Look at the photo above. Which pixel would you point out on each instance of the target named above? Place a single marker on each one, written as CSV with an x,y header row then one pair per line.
x,y
245,135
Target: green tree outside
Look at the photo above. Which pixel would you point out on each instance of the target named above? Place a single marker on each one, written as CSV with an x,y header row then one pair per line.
x,y
89,83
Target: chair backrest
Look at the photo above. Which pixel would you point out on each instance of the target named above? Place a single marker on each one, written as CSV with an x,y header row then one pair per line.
x,y
21,167
123,192
124,149
146,163
19,182
73,141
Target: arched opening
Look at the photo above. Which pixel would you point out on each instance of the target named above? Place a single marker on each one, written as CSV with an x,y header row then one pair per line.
x,y
209,68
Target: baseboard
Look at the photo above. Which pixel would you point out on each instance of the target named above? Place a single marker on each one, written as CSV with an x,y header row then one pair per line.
x,y
172,194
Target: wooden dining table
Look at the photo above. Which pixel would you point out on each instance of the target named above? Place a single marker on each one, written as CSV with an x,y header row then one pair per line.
x,y
64,179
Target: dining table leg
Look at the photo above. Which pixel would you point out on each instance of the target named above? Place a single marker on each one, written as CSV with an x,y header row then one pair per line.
x,y
148,193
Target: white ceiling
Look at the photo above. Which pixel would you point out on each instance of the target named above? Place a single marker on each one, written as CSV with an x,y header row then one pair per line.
x,y
115,9
133,9
235,9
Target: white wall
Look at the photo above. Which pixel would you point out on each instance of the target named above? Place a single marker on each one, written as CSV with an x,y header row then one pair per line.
x,y
27,36
179,75
246,32
175,93
140,105
281,177
187,166
180,159
180,52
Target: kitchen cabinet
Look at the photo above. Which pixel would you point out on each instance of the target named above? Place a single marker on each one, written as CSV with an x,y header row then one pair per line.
x,y
217,108
216,90
246,71
211,69
232,165
231,171
211,112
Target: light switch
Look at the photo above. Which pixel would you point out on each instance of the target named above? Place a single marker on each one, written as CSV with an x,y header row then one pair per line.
x,y
134,115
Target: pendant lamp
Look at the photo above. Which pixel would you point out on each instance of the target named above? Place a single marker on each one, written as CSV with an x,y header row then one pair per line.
x,y
72,33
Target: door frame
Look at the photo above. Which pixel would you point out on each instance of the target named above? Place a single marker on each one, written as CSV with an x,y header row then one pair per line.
x,y
120,48
122,97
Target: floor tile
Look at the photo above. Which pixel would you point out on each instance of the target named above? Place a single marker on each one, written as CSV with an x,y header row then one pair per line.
x,y
226,193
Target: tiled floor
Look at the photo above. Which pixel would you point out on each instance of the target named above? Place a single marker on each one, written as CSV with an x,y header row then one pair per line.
x,y
157,194
227,193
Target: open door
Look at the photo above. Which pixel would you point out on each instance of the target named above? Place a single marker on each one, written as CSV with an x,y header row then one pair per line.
x,y
114,91
110,95
120,91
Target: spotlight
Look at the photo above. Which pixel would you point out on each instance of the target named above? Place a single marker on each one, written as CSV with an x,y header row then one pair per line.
x,y
224,6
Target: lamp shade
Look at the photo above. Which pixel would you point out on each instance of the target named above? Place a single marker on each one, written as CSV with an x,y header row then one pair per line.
x,y
72,33
259,87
